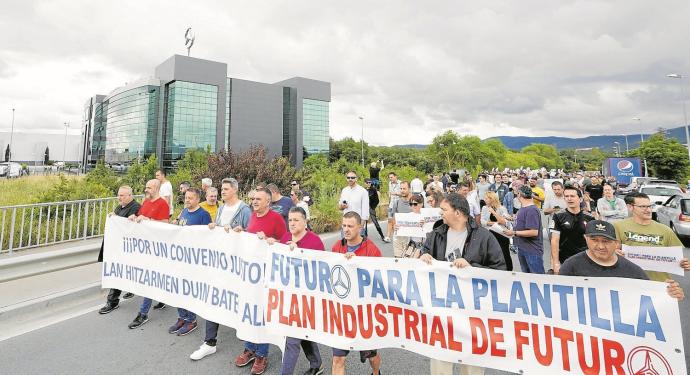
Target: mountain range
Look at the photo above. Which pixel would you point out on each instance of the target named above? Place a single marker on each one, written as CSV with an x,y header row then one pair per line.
x,y
604,142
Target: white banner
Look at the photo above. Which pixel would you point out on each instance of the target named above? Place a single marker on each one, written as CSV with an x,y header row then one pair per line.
x,y
430,215
409,225
523,323
656,258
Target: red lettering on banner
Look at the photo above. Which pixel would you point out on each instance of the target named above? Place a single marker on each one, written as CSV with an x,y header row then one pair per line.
x,y
565,336
380,314
334,315
496,337
452,344
477,327
594,345
282,319
411,322
520,340
546,358
437,334
324,315
272,303
294,311
349,321
614,356
365,332
308,312
425,331
396,312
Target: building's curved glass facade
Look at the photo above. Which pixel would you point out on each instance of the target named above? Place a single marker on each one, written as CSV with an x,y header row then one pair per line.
x,y
132,123
315,126
191,119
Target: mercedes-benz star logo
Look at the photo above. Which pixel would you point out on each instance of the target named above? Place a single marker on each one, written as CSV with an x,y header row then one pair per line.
x,y
340,281
644,360
188,39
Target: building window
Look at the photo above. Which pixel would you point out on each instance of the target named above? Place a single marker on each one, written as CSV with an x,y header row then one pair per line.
x,y
315,126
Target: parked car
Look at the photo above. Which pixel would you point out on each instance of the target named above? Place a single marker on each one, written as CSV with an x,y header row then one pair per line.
x,y
660,182
635,183
675,213
10,169
658,194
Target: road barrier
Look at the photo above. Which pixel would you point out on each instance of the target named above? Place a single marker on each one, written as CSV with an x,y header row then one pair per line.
x,y
41,224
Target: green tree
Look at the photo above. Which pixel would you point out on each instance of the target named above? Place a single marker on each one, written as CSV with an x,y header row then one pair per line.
x,y
104,176
453,151
138,174
545,155
348,149
666,157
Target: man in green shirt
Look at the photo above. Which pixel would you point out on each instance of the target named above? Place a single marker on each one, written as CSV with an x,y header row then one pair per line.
x,y
640,230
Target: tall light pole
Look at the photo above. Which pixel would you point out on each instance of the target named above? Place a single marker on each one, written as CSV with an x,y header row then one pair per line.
x,y
685,113
64,146
626,143
639,120
11,137
618,148
362,139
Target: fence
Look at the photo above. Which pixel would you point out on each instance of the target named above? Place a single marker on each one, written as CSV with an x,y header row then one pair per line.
x,y
33,225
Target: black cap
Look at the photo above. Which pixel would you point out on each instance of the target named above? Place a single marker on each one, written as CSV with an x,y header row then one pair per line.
x,y
601,228
525,191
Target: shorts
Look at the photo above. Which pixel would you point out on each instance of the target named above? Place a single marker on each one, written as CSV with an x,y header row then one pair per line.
x,y
390,213
362,354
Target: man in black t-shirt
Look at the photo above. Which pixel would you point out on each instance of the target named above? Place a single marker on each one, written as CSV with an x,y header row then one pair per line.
x,y
600,259
373,203
374,171
595,191
567,234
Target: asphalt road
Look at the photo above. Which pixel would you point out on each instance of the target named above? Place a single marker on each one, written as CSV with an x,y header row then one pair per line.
x,y
95,344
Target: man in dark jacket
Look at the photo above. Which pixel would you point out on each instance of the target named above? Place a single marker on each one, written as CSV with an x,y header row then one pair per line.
x,y
127,206
462,242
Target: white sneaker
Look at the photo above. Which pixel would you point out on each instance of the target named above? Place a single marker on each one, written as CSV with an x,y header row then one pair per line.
x,y
387,239
202,352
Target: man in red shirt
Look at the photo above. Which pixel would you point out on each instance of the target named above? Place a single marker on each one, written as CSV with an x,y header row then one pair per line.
x,y
265,223
153,208
353,244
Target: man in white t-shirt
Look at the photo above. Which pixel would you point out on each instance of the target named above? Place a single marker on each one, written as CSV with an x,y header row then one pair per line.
x,y
354,198
416,185
166,190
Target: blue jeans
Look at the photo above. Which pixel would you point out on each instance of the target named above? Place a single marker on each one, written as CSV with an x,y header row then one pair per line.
x,y
211,332
145,306
261,350
187,315
291,354
530,263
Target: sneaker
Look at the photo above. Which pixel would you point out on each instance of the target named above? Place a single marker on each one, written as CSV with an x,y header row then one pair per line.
x,y
244,358
259,366
127,295
176,327
387,239
187,328
204,350
159,306
108,308
138,321
314,371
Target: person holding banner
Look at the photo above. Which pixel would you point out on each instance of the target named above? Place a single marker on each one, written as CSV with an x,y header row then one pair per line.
x,y
153,208
266,224
601,260
353,244
641,230
192,214
461,241
494,218
127,207
300,237
232,213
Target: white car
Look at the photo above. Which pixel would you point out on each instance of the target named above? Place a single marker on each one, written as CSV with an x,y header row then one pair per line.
x,y
659,194
10,169
675,213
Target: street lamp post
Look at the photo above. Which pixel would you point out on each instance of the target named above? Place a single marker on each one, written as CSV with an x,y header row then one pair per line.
x,y
11,138
685,113
64,146
639,120
362,139
627,149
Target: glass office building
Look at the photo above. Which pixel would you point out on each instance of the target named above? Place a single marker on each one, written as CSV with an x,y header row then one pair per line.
x,y
191,103
191,119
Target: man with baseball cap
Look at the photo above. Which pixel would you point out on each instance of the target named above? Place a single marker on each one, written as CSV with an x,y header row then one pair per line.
x,y
601,260
527,233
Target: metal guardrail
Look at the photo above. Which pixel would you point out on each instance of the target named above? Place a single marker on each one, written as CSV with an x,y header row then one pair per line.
x,y
41,224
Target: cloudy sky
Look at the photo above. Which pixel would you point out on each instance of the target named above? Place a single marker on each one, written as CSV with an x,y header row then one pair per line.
x,y
412,69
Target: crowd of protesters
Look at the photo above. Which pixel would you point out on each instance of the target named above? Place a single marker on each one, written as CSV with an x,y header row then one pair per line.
x,y
485,221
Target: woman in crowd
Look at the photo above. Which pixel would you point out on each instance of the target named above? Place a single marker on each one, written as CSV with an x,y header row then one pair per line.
x,y
494,213
610,207
300,237
434,199
414,244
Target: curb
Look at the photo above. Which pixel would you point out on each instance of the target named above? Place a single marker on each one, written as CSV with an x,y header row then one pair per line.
x,y
52,301
38,264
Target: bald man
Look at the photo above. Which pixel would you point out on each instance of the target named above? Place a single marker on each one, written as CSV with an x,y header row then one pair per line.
x,y
153,208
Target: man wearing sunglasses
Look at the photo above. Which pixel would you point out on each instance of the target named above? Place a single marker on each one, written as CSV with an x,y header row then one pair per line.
x,y
354,198
640,230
